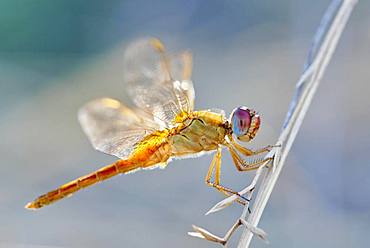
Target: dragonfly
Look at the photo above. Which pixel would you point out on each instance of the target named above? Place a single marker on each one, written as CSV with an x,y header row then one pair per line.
x,y
162,124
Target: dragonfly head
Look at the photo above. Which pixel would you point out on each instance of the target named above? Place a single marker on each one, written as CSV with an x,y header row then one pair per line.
x,y
244,123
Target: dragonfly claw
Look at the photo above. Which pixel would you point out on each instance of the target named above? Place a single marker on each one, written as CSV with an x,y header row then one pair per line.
x,y
243,197
270,147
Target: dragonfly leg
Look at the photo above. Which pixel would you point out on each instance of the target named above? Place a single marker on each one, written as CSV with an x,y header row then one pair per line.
x,y
216,165
248,152
243,165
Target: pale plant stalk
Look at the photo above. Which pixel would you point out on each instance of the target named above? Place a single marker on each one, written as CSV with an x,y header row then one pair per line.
x,y
322,49
320,54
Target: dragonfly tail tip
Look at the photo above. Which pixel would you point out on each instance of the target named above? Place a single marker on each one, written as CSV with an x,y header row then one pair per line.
x,y
31,206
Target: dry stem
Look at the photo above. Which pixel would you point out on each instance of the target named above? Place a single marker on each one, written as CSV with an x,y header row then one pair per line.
x,y
322,49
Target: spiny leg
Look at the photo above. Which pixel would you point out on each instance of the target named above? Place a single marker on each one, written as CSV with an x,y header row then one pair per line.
x,y
241,164
216,164
248,152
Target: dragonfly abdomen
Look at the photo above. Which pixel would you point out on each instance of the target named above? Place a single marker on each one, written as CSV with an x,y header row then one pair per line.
x,y
120,166
139,160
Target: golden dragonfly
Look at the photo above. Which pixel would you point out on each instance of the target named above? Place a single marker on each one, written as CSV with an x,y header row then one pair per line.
x,y
162,125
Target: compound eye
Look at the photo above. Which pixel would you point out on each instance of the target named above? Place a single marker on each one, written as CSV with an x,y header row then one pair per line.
x,y
241,121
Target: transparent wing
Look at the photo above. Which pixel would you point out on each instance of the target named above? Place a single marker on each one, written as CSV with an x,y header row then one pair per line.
x,y
114,128
157,83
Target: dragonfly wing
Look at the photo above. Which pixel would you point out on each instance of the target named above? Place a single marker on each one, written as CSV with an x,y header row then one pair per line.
x,y
157,83
181,69
114,128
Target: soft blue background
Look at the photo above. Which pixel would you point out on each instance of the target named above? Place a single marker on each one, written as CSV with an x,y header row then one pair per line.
x,y
57,55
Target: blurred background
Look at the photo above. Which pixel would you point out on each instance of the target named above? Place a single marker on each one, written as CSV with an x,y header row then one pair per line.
x,y
57,55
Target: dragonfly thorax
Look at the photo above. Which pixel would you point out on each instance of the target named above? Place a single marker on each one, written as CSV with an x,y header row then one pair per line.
x,y
205,132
